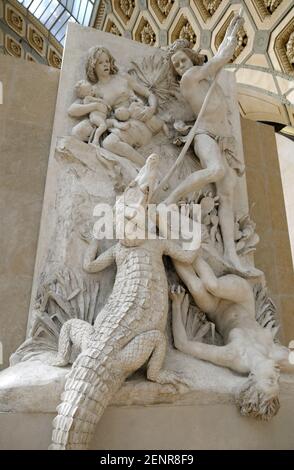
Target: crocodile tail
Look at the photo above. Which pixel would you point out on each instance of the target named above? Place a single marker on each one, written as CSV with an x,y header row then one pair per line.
x,y
88,389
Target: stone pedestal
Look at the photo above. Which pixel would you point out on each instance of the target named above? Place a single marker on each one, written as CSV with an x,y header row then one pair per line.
x,y
145,415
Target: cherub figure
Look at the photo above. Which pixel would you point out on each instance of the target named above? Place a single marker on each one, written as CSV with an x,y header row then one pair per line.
x,y
154,123
98,117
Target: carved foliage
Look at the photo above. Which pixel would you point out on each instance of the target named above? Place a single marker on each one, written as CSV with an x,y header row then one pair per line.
x,y
157,77
36,40
207,8
271,5
162,8
266,8
245,236
284,48
13,47
15,20
184,30
265,310
144,33
60,297
112,28
30,58
290,48
124,9
54,59
211,5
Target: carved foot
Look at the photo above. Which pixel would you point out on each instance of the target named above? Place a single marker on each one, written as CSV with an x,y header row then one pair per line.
x,y
168,377
244,271
57,361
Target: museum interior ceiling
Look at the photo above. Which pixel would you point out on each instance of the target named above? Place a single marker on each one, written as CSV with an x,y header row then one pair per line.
x,y
263,63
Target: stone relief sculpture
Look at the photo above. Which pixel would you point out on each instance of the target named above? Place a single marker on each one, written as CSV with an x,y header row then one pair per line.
x,y
249,347
107,314
97,118
118,91
61,297
128,331
213,142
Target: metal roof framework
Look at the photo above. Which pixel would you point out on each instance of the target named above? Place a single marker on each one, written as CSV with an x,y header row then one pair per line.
x,y
55,14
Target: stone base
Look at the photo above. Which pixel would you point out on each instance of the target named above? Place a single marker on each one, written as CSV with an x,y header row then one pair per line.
x,y
145,415
158,427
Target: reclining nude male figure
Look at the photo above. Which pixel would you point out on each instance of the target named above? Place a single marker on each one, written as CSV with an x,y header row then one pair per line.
x,y
249,348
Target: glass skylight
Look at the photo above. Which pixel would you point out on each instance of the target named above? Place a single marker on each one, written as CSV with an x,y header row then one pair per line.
x,y
55,14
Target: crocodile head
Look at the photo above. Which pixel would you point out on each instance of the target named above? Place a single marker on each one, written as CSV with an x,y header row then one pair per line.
x,y
139,191
133,204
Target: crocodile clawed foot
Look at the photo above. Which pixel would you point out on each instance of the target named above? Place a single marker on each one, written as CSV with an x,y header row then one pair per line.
x,y
56,361
179,382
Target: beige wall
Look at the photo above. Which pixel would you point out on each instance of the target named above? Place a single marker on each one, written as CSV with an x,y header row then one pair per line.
x,y
273,254
26,118
285,148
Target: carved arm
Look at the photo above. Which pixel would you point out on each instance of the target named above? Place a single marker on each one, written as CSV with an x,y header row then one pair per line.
x,y
176,252
180,302
77,109
95,265
143,91
224,53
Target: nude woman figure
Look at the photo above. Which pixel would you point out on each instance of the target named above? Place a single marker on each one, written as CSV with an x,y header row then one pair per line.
x,y
116,89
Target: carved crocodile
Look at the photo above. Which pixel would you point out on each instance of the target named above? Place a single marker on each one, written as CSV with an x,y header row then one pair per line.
x,y
129,330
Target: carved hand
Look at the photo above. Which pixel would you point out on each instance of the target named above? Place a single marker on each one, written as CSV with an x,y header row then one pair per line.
x,y
146,114
229,43
90,99
177,294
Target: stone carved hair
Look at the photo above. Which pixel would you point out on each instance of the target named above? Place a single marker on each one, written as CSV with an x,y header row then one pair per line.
x,y
83,88
254,402
185,46
93,55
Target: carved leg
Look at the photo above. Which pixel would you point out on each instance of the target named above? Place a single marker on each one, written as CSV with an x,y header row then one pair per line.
x,y
82,130
213,169
225,190
219,355
138,351
74,332
64,346
98,133
229,287
101,125
204,300
115,145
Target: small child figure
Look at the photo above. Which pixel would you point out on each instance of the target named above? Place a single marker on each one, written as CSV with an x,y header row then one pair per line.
x,y
98,118
85,92
154,124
